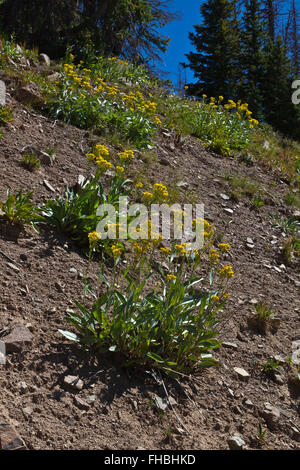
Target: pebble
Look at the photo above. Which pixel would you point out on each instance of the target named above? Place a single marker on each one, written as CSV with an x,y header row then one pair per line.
x,y
228,211
235,442
48,186
242,373
81,404
14,267
225,197
74,382
229,345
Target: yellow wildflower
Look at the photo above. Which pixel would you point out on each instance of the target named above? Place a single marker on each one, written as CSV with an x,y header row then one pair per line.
x,y
227,271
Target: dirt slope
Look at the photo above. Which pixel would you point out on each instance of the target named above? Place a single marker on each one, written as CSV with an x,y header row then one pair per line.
x,y
119,410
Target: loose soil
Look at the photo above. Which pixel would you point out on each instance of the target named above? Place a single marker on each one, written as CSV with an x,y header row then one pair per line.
x,y
210,406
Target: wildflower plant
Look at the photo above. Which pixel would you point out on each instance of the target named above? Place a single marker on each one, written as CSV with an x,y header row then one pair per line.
x,y
157,320
76,213
84,98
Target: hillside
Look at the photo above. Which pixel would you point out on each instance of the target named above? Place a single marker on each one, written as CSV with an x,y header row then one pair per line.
x,y
251,198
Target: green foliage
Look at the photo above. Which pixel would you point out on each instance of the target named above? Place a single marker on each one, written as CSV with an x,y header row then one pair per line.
x,y
261,435
124,27
223,127
5,115
75,215
84,99
30,162
271,367
170,329
263,312
18,209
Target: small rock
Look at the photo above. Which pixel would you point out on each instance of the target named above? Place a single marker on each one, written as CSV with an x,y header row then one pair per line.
x,y
249,247
45,158
229,345
45,59
183,185
279,379
250,241
27,96
271,414
225,197
242,373
54,76
90,400
2,93
73,382
248,403
22,387
73,271
9,438
48,186
59,287
161,403
228,211
17,339
2,353
235,442
14,267
28,410
295,434
81,404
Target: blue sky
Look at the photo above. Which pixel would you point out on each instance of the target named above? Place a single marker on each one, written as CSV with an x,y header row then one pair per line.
x,y
178,32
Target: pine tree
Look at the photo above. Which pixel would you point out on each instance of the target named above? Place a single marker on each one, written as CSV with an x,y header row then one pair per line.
x,y
279,110
115,27
215,62
253,40
294,38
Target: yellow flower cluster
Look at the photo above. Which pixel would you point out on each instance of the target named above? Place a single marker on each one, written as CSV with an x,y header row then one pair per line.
x,y
82,79
214,256
120,170
171,277
181,249
126,156
101,163
102,150
165,250
160,190
208,230
147,196
140,248
94,237
116,250
224,247
227,271
139,185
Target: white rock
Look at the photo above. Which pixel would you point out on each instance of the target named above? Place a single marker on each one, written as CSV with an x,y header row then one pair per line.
x,y
242,373
2,93
235,442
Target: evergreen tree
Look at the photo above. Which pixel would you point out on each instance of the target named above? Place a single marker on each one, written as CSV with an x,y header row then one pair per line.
x,y
279,110
215,62
115,27
253,40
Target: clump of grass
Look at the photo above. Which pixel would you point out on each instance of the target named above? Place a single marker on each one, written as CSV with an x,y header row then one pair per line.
x,y
241,186
263,319
5,115
271,367
30,162
17,211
